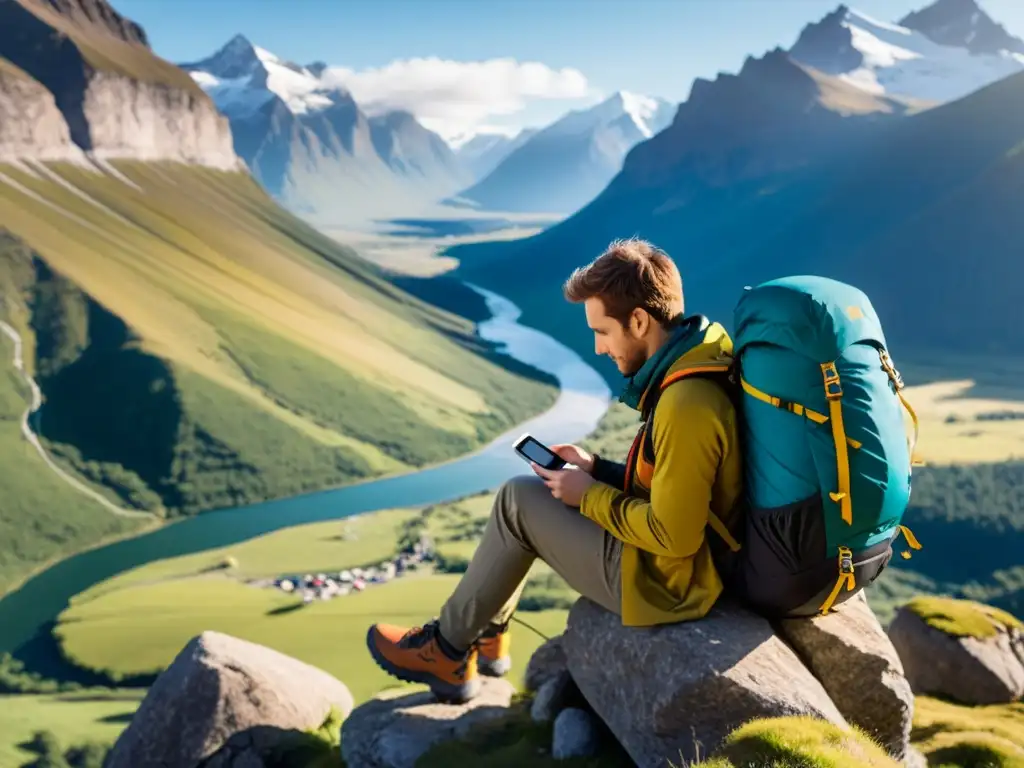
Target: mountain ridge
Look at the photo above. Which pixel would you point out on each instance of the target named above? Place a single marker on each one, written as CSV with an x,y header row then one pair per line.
x,y
962,23
900,61
94,58
737,205
563,165
312,145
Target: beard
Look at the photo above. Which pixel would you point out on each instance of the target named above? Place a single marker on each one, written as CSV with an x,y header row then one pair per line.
x,y
633,362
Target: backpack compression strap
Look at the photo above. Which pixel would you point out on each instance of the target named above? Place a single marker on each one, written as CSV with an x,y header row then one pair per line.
x,y
833,393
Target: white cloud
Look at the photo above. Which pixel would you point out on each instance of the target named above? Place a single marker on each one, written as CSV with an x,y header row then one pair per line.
x,y
453,97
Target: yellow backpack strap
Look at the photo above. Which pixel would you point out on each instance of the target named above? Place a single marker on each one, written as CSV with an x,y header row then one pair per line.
x,y
794,408
846,576
897,382
719,527
911,540
834,394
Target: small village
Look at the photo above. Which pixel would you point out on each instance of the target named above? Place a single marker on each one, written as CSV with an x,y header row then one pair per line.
x,y
329,585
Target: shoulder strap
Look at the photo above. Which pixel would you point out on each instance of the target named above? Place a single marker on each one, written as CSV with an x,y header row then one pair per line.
x,y
720,372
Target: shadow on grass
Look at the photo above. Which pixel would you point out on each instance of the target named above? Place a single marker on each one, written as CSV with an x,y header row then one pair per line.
x,y
283,610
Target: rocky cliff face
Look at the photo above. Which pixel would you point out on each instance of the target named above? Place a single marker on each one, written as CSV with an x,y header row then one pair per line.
x,y
147,121
30,123
94,14
962,23
117,98
769,117
314,148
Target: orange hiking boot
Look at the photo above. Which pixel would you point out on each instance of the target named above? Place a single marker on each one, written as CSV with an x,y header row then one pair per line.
x,y
493,648
417,656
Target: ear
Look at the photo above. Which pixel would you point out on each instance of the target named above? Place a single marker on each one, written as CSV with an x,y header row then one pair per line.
x,y
639,322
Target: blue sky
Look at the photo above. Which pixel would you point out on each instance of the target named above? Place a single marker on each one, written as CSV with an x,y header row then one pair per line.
x,y
654,47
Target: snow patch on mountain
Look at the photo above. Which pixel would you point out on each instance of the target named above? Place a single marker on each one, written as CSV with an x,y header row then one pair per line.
x,y
242,77
648,113
887,59
899,61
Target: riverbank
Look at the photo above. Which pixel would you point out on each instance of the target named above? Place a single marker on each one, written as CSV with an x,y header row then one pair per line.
x,y
583,399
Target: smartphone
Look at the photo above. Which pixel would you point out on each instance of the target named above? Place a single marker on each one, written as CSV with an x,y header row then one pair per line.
x,y
532,450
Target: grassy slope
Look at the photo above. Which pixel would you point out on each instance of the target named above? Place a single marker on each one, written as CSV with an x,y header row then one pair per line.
x,y
254,357
136,622
153,610
92,715
41,518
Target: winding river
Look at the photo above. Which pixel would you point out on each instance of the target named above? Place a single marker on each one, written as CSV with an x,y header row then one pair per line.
x,y
583,399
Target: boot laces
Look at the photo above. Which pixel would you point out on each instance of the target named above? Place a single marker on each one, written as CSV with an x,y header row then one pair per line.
x,y
417,637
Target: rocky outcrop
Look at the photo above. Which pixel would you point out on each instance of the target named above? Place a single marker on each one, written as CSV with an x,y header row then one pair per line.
x,y
30,123
146,121
731,684
228,697
94,15
118,98
857,665
547,661
971,667
678,690
393,732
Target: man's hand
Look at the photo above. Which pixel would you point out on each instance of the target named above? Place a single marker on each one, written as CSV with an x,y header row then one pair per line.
x,y
567,485
573,454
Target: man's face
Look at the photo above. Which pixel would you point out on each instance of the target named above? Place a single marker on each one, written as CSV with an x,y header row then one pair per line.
x,y
623,344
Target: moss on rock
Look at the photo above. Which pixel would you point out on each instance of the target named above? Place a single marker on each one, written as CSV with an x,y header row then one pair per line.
x,y
955,735
963,618
799,742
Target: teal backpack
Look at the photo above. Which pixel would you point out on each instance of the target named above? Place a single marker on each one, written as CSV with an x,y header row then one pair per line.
x,y
827,460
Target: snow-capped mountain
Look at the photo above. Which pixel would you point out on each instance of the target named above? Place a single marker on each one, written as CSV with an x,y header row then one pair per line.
x,y
563,166
311,146
482,152
938,54
963,24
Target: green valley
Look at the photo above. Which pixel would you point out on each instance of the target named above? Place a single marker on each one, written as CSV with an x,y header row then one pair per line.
x,y
198,347
136,622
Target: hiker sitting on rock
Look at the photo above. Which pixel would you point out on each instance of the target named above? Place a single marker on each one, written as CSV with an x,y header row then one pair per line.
x,y
631,537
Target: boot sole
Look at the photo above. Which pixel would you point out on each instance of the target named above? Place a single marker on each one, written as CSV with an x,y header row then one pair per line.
x,y
449,693
497,668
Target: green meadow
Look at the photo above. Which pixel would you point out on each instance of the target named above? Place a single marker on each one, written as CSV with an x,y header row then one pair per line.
x,y
198,347
135,624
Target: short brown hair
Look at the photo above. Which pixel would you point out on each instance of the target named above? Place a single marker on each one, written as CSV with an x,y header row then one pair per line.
x,y
630,274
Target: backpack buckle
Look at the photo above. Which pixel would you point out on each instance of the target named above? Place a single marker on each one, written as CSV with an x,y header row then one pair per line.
x,y
845,560
890,369
833,389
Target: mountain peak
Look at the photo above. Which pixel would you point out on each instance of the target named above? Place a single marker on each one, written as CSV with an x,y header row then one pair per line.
x,y
236,59
963,24
932,56
242,78
647,113
239,44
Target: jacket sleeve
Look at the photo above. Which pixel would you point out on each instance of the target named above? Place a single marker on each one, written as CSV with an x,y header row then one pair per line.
x,y
611,473
690,441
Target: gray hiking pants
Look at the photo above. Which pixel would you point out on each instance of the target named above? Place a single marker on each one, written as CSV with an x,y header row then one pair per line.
x,y
527,522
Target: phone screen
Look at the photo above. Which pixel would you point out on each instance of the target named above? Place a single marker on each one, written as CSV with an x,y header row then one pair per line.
x,y
537,452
